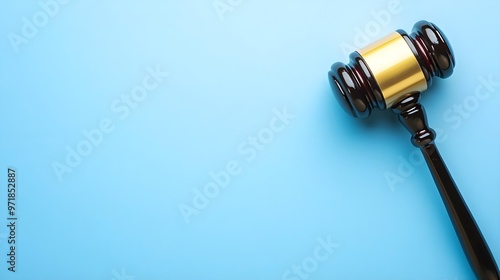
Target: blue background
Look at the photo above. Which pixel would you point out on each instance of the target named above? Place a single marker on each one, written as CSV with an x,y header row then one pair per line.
x,y
324,175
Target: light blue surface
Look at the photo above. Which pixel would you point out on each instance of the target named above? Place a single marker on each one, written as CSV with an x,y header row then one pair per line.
x,y
319,178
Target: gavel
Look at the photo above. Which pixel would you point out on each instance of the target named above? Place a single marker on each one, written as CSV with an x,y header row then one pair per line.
x,y
390,74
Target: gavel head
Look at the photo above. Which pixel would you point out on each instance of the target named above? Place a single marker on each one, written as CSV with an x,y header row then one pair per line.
x,y
392,68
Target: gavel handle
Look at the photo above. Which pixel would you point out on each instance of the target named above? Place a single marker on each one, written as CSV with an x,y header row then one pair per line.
x,y
412,115
471,239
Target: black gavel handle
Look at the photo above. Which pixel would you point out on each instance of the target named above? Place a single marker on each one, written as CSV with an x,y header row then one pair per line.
x,y
471,239
412,116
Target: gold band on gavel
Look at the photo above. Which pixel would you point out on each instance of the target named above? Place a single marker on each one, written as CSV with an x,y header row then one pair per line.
x,y
394,67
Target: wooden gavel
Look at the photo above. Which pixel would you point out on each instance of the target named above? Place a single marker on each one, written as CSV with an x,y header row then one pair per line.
x,y
390,74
